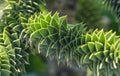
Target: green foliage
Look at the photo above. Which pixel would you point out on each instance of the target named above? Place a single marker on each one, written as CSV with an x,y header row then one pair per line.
x,y
17,56
113,14
100,51
11,31
115,5
98,14
52,36
113,22
4,60
27,7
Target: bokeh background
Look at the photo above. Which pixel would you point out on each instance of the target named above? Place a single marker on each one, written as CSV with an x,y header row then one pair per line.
x,y
93,13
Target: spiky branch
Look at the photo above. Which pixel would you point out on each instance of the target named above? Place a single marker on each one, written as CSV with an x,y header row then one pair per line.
x,y
54,37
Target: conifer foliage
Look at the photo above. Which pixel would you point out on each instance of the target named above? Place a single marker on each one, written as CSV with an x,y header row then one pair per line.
x,y
25,28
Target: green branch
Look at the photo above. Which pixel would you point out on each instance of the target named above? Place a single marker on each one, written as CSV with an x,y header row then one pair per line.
x,y
15,49
52,36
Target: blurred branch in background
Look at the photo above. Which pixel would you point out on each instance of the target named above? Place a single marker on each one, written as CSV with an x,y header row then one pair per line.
x,y
114,6
89,12
96,15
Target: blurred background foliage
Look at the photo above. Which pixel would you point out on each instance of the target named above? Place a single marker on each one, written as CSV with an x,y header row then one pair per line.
x,y
93,13
89,12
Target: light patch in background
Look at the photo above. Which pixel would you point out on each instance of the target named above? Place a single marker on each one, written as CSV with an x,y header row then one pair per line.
x,y
1,13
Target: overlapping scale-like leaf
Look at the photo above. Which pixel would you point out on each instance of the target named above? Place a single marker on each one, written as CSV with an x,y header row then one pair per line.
x,y
52,36
4,62
12,35
100,51
16,55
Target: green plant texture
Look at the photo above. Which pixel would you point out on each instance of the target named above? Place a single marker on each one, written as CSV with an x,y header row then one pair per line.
x,y
10,38
100,51
27,28
52,35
